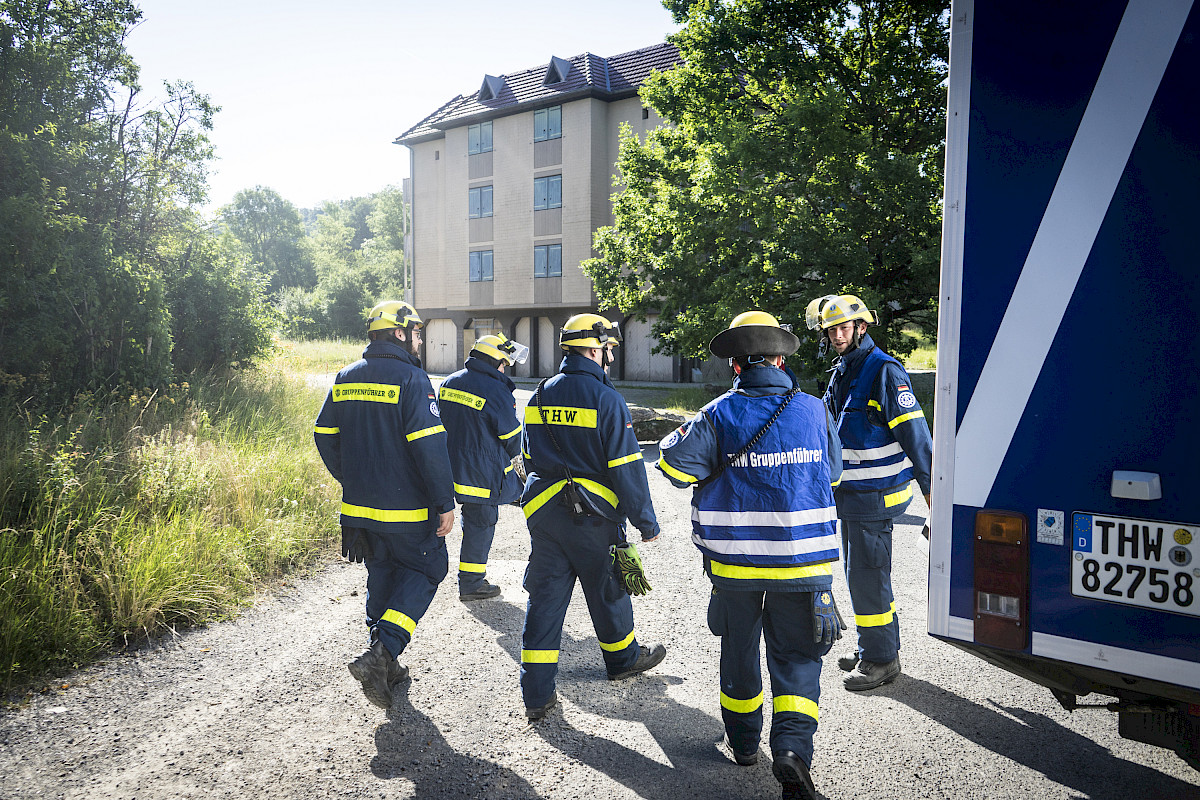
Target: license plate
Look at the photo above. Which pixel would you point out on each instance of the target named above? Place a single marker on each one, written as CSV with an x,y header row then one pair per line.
x,y
1136,562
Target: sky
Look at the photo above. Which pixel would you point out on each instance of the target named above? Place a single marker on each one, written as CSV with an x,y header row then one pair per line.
x,y
313,94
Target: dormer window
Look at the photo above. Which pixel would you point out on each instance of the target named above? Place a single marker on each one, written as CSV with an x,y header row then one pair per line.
x,y
491,88
557,71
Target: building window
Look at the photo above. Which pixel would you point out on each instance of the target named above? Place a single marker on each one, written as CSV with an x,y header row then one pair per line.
x,y
479,138
547,261
547,123
547,192
479,202
481,266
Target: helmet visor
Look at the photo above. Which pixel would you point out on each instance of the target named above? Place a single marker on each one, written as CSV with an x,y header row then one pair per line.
x,y
812,314
519,353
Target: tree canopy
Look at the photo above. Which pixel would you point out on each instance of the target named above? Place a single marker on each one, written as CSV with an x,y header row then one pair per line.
x,y
802,156
98,232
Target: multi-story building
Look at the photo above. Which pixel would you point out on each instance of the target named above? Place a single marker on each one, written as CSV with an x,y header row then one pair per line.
x,y
507,186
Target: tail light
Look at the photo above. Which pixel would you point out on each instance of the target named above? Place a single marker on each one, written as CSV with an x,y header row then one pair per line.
x,y
1002,579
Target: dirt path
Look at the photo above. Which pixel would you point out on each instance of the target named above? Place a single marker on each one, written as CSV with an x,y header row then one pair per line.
x,y
263,707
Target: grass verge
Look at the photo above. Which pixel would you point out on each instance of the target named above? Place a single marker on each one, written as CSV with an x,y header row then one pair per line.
x,y
125,516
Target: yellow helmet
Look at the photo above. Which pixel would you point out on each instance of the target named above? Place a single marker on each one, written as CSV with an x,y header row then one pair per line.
x,y
589,330
754,333
834,309
501,348
392,314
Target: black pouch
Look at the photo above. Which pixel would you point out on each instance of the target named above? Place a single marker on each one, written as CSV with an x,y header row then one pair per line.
x,y
571,499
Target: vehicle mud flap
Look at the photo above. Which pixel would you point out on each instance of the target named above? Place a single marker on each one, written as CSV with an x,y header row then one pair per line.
x,y
1178,731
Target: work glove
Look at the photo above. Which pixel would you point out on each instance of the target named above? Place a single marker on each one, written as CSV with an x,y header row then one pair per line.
x,y
356,546
827,622
628,567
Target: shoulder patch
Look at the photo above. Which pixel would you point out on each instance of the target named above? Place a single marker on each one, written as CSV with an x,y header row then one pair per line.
x,y
906,399
433,409
670,440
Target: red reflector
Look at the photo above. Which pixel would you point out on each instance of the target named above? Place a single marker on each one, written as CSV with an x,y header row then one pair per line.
x,y
1194,709
1001,579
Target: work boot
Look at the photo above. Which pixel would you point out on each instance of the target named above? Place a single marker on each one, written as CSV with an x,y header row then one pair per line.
x,y
373,669
848,661
871,674
397,673
791,771
540,712
647,658
484,591
742,759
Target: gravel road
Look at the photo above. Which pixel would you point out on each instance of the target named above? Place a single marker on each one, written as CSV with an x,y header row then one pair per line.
x,y
262,706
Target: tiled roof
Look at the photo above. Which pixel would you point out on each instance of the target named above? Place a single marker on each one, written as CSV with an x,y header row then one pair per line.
x,y
590,75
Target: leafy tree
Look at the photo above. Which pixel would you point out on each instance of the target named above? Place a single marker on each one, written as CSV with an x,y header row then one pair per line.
x,y
803,158
271,230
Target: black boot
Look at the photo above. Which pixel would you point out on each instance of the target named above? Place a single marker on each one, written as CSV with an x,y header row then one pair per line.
x,y
373,669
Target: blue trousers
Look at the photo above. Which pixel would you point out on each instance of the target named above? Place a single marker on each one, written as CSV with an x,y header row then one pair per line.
x,y
403,574
867,545
566,549
785,621
478,527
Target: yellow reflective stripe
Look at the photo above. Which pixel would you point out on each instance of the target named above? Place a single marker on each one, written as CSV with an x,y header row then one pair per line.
x,y
837,483
462,398
896,498
473,491
543,498
372,392
600,489
319,429
386,514
426,432
539,656
508,469
742,706
906,417
513,433
794,702
621,645
875,620
561,415
769,573
616,462
874,404
465,567
674,473
396,618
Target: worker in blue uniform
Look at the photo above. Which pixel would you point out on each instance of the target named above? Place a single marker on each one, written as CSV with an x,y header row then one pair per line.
x,y
762,460
480,416
885,446
380,435
585,477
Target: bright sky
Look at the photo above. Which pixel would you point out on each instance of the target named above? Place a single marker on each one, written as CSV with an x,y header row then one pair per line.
x,y
312,93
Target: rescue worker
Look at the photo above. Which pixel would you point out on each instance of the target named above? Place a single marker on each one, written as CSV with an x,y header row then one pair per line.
x,y
885,446
762,459
380,435
585,476
479,413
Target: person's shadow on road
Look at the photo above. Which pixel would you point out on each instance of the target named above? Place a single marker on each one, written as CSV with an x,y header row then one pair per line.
x,y
410,746
688,737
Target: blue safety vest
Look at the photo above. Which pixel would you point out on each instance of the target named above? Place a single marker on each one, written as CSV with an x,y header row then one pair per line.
x,y
770,515
872,459
480,418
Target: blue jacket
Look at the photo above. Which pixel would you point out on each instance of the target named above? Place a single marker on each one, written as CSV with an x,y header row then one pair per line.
x,y
767,522
885,439
380,435
591,423
480,416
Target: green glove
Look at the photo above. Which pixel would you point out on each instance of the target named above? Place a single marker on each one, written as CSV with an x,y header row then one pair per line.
x,y
628,566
